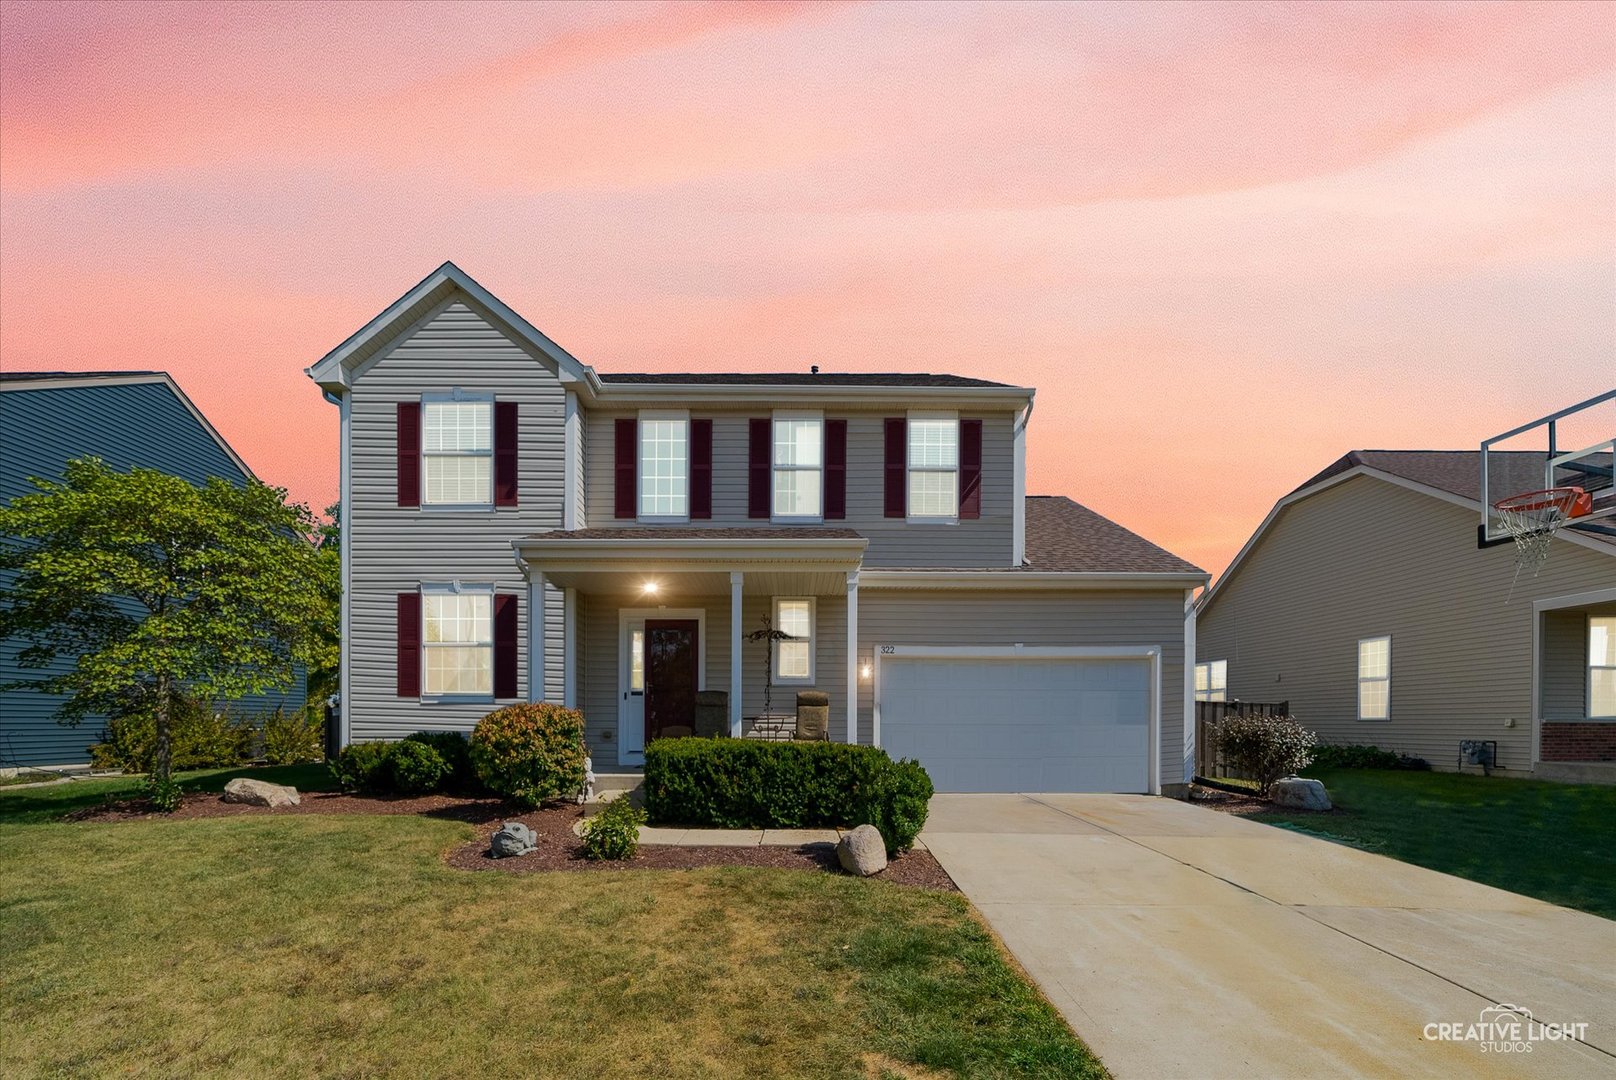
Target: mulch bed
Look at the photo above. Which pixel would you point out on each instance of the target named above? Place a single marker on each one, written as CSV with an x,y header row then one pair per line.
x,y
1230,802
558,847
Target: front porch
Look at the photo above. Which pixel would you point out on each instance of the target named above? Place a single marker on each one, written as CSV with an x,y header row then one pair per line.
x,y
1574,687
652,616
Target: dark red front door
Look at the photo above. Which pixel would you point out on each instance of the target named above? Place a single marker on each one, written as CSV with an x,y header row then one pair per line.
x,y
671,654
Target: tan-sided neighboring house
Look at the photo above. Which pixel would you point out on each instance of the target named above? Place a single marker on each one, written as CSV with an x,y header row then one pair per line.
x,y
519,527
1365,601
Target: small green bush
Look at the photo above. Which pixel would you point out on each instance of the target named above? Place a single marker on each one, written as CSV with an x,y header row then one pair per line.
x,y
291,738
1355,756
750,784
614,833
530,752
1265,748
455,750
362,766
165,795
201,737
414,768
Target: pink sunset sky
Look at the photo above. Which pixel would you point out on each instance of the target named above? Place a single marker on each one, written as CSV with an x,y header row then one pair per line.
x,y
1226,243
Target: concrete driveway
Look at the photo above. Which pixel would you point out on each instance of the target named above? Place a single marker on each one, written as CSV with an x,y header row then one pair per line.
x,y
1182,942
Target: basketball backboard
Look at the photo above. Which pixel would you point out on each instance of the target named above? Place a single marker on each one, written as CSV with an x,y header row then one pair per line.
x,y
1572,448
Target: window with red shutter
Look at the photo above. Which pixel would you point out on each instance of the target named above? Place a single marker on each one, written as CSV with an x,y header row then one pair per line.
x,y
409,645
409,453
505,459
759,439
701,468
970,505
835,470
625,503
505,620
897,462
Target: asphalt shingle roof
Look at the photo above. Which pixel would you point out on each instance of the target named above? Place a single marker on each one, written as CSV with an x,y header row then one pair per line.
x,y
792,378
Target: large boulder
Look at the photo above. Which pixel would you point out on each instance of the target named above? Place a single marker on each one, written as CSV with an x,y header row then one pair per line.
x,y
513,838
862,851
260,793
1295,793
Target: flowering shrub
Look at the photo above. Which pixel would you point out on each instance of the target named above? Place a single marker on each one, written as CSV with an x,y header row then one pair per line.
x,y
614,833
530,753
1265,748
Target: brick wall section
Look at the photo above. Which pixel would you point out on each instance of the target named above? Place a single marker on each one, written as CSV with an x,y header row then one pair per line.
x,y
1579,742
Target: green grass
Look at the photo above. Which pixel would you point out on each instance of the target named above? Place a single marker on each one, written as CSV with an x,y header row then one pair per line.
x,y
46,804
342,946
1551,841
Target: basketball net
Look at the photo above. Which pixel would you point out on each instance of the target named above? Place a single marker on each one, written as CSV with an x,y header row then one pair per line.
x,y
1532,519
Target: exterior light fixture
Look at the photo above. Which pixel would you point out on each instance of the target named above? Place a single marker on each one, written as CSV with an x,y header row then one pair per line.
x,y
865,670
649,588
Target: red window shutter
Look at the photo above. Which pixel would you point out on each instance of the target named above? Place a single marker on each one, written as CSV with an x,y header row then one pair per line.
x,y
409,453
897,467
505,460
835,469
505,645
760,462
628,449
409,644
701,468
970,477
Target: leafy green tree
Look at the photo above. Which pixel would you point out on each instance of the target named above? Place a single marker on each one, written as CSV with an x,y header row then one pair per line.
x,y
326,657
157,587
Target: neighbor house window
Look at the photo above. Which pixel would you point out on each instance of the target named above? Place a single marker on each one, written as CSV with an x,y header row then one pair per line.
x,y
933,465
1212,680
1375,678
1602,666
794,657
664,465
457,452
457,641
799,460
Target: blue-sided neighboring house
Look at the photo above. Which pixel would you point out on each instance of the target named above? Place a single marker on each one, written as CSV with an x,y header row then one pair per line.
x,y
128,419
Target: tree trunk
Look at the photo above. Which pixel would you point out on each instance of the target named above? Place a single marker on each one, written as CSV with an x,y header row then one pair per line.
x,y
163,756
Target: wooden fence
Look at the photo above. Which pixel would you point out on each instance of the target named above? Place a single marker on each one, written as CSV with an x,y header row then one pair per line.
x,y
1208,762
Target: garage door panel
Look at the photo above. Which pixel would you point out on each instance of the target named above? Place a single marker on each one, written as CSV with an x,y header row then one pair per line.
x,y
1018,724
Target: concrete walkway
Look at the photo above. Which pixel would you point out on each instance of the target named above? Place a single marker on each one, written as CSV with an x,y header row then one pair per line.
x,y
1181,942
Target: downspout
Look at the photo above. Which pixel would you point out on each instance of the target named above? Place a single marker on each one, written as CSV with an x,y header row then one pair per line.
x,y
1018,512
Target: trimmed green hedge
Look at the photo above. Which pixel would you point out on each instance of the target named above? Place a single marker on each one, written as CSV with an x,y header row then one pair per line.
x,y
750,784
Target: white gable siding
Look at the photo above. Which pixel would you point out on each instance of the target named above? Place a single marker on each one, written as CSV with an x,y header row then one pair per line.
x,y
394,548
1366,558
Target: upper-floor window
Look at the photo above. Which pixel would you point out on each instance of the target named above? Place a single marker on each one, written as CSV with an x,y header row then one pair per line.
x,y
1212,680
794,656
1602,666
1375,678
664,465
799,461
457,451
457,640
933,465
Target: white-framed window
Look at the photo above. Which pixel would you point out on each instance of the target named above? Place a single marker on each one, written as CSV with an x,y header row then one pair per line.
x,y
457,641
664,466
1602,666
799,466
1212,680
933,466
794,658
1375,678
636,660
457,450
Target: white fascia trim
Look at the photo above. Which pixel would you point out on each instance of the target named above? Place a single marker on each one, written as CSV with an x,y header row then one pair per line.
x,y
1597,596
1399,481
345,569
571,447
1030,580
963,397
330,370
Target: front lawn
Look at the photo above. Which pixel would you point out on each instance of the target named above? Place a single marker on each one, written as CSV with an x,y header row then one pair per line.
x,y
1551,841
324,945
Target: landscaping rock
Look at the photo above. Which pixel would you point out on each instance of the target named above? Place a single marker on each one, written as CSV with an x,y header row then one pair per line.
x,y
513,838
260,793
862,851
1295,793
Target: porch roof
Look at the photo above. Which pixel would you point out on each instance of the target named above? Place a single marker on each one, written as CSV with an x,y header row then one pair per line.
x,y
621,560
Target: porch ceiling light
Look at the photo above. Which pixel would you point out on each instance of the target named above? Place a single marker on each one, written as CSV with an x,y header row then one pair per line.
x,y
649,588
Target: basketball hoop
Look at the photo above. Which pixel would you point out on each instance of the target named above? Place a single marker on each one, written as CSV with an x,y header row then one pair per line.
x,y
1533,517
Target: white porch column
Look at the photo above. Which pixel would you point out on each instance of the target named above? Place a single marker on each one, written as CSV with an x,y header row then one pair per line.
x,y
535,636
852,656
735,579
569,648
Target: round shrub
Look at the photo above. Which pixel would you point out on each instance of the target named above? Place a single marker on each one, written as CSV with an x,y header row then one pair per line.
x,y
456,753
414,768
362,766
908,792
1265,748
530,753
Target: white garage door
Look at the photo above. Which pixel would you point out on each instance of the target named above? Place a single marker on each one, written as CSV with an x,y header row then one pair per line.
x,y
1020,724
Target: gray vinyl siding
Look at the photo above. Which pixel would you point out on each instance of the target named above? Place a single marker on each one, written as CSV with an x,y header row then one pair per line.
x,y
1564,646
394,549
985,541
1109,618
127,425
1330,570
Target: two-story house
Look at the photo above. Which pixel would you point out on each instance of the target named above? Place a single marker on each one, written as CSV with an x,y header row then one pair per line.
x,y
519,527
